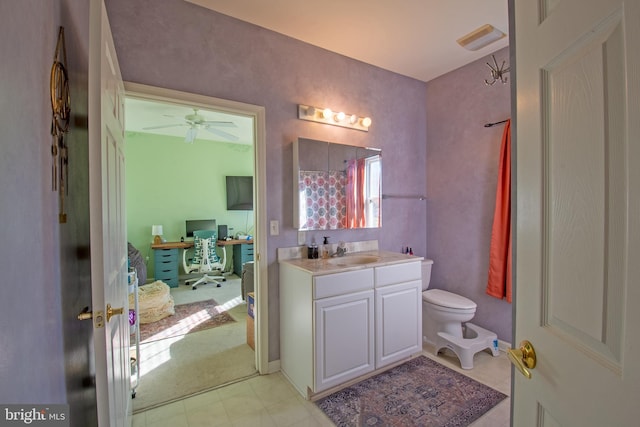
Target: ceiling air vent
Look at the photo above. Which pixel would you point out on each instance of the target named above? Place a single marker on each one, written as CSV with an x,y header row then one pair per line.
x,y
481,37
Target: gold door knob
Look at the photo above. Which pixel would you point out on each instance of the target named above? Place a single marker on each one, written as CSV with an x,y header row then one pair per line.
x,y
524,358
113,311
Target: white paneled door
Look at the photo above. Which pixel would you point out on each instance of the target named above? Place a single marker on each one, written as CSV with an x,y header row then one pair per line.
x,y
578,211
108,225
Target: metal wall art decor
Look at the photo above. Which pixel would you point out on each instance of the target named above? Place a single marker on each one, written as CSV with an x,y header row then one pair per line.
x,y
61,110
497,72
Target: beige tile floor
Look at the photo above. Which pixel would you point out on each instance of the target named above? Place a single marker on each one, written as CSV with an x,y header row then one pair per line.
x,y
270,400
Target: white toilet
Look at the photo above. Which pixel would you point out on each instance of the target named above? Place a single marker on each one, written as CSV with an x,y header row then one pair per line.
x,y
445,322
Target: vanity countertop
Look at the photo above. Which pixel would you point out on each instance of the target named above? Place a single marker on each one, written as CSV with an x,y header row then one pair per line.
x,y
375,258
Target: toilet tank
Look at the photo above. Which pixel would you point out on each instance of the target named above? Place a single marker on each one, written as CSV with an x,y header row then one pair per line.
x,y
426,273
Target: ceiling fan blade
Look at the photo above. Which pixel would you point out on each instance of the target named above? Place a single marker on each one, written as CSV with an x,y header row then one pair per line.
x,y
219,123
163,126
191,135
222,133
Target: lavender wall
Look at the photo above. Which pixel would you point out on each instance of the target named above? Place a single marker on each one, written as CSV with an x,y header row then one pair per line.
x,y
45,353
178,45
31,350
462,172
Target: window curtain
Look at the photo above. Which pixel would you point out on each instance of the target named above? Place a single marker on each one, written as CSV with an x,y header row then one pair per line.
x,y
499,282
360,193
355,193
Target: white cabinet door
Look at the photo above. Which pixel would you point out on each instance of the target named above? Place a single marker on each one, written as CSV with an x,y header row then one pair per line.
x,y
344,338
398,322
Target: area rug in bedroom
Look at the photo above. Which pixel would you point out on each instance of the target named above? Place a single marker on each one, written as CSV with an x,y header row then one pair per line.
x,y
188,318
420,392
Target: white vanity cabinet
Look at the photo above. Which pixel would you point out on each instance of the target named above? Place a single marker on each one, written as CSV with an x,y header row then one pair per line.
x,y
340,326
398,294
326,327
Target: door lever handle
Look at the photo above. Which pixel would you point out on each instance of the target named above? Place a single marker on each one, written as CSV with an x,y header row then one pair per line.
x,y
524,358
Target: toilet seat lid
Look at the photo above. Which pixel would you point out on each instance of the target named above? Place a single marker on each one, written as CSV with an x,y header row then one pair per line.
x,y
447,299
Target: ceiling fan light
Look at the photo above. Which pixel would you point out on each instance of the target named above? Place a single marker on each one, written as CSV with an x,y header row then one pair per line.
x,y
191,135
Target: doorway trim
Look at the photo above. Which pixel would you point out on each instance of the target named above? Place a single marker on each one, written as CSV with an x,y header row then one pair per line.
x,y
257,112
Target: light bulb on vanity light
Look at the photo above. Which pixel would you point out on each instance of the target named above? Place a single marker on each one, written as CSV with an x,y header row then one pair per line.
x,y
311,111
328,116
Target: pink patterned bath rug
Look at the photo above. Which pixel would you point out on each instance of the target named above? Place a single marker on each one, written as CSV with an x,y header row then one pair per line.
x,y
420,392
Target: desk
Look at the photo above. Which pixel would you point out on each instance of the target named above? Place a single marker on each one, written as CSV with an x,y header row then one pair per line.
x,y
166,258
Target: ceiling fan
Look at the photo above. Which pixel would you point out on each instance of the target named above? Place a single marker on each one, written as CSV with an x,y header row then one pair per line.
x,y
195,122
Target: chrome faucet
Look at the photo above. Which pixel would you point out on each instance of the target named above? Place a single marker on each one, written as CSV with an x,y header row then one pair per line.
x,y
340,250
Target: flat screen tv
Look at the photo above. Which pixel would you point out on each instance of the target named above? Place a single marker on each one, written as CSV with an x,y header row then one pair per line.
x,y
239,193
200,224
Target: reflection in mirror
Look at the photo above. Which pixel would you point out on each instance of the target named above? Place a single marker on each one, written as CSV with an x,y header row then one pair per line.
x,y
367,189
336,186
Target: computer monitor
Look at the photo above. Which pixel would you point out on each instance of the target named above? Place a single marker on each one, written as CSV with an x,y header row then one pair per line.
x,y
200,224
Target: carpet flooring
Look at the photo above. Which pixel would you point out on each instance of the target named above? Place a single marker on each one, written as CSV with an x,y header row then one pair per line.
x,y
182,365
188,318
420,392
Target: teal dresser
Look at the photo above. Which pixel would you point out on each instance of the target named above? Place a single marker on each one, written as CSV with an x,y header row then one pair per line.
x,y
165,264
241,253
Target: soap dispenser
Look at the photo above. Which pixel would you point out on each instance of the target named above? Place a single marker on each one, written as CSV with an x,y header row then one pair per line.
x,y
312,250
325,247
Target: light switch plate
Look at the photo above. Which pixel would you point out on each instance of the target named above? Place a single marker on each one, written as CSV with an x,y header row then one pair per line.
x,y
302,238
274,227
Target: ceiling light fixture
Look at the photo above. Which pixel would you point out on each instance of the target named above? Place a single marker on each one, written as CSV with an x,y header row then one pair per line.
x,y
480,37
327,116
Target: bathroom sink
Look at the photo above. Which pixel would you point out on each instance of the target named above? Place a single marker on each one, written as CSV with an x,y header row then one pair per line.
x,y
350,260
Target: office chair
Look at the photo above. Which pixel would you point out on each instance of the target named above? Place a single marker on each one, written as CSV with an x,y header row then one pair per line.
x,y
205,260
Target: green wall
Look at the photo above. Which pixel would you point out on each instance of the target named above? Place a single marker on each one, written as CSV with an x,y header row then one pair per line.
x,y
169,181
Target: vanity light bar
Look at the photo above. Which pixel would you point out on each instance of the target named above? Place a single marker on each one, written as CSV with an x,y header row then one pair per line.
x,y
328,117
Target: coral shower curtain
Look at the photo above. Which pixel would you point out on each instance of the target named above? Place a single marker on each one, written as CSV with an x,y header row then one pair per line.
x,y
355,193
499,283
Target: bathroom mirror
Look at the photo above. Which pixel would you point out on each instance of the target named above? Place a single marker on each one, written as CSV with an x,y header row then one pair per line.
x,y
336,186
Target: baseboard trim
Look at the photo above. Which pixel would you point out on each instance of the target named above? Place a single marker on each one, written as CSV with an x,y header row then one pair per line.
x,y
273,367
